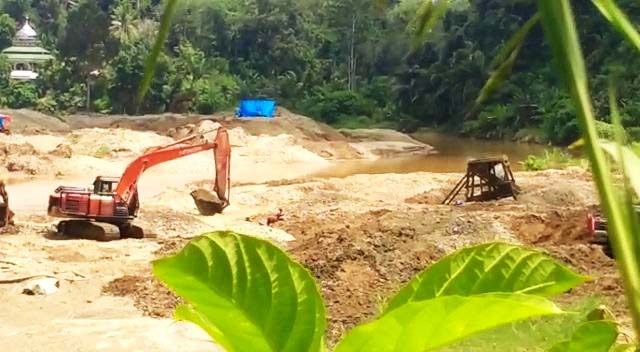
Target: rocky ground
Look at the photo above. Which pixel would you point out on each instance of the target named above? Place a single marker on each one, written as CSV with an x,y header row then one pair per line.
x,y
361,235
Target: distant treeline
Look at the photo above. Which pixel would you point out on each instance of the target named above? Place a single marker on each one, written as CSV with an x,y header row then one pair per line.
x,y
346,62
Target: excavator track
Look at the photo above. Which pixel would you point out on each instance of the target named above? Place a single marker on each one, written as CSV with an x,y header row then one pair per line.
x,y
135,231
90,230
101,231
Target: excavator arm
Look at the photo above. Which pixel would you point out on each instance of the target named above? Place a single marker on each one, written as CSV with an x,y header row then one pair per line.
x,y
127,186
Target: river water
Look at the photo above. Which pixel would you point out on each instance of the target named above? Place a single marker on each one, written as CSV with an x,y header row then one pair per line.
x,y
453,154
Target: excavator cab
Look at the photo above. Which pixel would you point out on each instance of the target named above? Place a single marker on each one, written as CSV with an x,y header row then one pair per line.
x,y
105,185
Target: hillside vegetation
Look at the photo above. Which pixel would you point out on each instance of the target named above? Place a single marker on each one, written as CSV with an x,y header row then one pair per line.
x,y
349,63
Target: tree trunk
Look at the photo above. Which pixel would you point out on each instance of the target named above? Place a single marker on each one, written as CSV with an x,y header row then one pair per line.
x,y
352,56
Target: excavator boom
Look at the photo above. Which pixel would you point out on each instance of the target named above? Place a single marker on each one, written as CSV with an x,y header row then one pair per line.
x,y
127,186
112,204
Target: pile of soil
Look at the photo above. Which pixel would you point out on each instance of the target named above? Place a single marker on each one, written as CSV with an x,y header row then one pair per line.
x,y
27,121
365,236
362,258
23,158
149,295
359,259
286,122
206,127
168,222
434,196
553,227
62,151
378,135
158,123
101,142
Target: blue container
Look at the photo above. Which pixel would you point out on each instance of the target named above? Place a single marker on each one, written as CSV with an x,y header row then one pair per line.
x,y
264,108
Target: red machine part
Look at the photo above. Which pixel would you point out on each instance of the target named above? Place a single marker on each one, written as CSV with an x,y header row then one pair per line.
x,y
121,204
591,224
222,155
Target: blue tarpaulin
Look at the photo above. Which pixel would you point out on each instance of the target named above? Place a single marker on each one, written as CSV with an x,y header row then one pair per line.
x,y
256,108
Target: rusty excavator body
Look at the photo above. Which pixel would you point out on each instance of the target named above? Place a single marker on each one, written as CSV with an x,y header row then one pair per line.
x,y
107,211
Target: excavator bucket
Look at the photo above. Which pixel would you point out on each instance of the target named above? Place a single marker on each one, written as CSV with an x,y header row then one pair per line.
x,y
208,203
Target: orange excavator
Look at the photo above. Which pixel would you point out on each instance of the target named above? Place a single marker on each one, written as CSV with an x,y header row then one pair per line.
x,y
107,211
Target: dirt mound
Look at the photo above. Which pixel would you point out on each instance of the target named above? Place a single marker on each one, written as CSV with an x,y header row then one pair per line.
x,y
433,196
32,122
334,150
553,227
168,222
62,151
575,189
354,255
286,122
23,158
558,195
43,143
102,142
378,135
170,246
206,127
149,295
159,123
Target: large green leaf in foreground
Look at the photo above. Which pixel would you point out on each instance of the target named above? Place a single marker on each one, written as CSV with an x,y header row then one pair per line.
x,y
628,158
435,323
496,267
592,336
246,293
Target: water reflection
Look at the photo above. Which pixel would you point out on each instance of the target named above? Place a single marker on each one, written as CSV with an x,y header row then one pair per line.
x,y
452,157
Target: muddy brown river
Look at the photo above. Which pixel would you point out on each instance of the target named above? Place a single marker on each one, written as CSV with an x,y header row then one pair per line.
x,y
452,156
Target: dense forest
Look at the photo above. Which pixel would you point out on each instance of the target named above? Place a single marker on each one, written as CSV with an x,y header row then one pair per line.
x,y
350,63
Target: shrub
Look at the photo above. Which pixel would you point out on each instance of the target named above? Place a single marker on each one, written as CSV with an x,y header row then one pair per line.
x,y
554,159
332,106
559,119
20,95
47,104
102,152
215,93
496,122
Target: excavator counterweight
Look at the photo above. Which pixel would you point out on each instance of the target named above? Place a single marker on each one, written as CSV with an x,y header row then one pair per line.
x,y
107,210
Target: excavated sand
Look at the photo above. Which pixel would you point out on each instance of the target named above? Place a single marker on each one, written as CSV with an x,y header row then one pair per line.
x,y
94,141
361,236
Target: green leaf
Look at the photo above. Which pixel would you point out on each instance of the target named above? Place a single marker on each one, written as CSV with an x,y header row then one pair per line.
x,y
515,42
619,20
494,82
504,62
428,16
150,64
246,293
628,158
560,30
487,268
593,336
439,322
625,348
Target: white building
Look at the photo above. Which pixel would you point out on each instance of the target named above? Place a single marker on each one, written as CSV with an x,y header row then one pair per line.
x,y
25,55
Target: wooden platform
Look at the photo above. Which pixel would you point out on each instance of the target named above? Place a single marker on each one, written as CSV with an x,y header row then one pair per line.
x,y
485,180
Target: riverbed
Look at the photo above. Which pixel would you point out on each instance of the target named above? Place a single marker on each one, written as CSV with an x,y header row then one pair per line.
x,y
451,156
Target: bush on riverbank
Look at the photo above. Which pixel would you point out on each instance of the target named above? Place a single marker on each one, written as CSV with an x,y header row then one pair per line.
x,y
552,159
